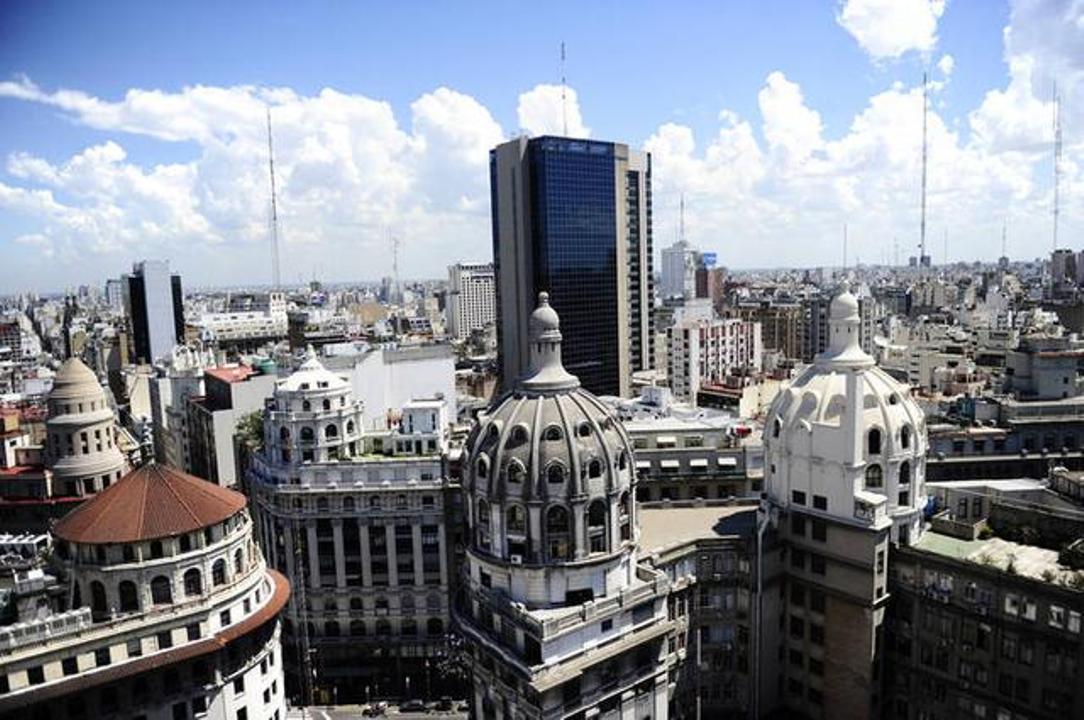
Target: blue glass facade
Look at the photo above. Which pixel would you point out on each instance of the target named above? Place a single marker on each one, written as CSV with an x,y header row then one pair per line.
x,y
574,229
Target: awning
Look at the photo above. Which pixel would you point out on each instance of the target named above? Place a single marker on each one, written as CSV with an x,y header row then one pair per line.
x,y
727,461
698,463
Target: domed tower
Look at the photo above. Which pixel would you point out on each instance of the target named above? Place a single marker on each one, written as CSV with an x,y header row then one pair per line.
x,y
168,604
312,418
844,471
549,495
81,438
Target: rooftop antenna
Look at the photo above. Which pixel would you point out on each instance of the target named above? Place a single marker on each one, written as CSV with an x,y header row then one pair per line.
x,y
681,222
395,264
1057,159
564,88
276,279
922,259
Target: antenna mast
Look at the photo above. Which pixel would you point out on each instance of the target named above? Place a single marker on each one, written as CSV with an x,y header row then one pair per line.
x,y
564,89
681,226
276,279
922,259
1057,160
395,266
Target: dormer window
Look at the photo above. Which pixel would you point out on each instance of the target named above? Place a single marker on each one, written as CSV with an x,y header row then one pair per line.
x,y
553,434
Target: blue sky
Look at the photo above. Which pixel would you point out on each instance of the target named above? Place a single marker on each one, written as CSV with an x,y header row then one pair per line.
x,y
639,71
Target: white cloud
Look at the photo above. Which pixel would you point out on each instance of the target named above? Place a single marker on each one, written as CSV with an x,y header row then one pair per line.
x,y
887,29
946,64
540,112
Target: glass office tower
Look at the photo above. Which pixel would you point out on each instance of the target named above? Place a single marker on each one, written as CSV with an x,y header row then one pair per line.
x,y
572,217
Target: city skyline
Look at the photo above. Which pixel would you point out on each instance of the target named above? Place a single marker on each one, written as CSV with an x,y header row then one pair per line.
x,y
777,127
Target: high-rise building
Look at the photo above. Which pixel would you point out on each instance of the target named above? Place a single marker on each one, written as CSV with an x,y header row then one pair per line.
x,y
562,618
679,263
781,324
114,293
155,307
573,217
470,298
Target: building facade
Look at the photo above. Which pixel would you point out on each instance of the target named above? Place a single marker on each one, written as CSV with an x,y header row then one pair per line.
x,y
561,618
781,325
707,351
162,608
362,523
471,303
573,217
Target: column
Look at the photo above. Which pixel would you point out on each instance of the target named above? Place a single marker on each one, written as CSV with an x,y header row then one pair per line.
x,y
340,555
314,558
416,541
443,556
393,559
366,557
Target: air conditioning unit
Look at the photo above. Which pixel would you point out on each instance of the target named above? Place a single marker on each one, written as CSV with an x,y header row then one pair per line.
x,y
516,559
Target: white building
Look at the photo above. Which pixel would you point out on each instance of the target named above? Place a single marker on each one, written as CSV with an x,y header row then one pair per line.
x,y
471,303
360,522
561,618
705,351
248,318
81,434
678,271
164,609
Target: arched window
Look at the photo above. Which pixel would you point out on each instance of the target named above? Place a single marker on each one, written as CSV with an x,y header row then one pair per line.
x,y
307,435
357,628
239,561
584,430
156,549
218,572
873,441
161,590
98,602
875,477
193,582
518,436
777,427
553,434
596,526
348,504
129,596
306,406
557,534
331,629
284,434
905,472
516,519
555,473
327,404
482,524
77,597
331,431
434,627
905,437
482,468
625,516
594,469
349,427
515,472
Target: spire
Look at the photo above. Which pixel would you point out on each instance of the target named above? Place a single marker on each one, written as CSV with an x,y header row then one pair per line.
x,y
844,330
547,374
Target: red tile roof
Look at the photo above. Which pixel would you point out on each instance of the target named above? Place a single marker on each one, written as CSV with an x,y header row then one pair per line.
x,y
230,374
154,501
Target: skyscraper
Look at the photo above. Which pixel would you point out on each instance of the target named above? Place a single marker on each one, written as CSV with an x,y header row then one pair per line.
x,y
154,303
573,218
470,298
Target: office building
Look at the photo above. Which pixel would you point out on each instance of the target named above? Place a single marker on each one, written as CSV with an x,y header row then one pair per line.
x,y
679,266
157,605
471,304
781,325
561,618
154,305
362,523
573,218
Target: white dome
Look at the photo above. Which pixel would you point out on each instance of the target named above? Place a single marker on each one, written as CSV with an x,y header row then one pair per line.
x,y
847,432
312,375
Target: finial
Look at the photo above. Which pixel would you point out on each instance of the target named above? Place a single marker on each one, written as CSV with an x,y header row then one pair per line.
x,y
543,298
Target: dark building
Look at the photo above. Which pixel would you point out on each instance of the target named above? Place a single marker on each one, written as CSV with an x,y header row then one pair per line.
x,y
573,218
154,303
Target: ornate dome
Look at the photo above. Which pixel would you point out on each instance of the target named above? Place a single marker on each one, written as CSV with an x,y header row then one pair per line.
x,y
312,375
848,433
75,380
549,476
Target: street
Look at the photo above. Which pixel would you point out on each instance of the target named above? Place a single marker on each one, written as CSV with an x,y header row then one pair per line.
x,y
353,712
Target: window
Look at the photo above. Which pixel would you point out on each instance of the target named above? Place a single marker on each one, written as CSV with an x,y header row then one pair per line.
x,y
165,640
873,441
596,526
69,665
192,631
224,618
239,684
555,473
905,472
35,675
161,590
820,502
816,634
557,533
819,530
797,497
218,572
874,477
516,519
816,563
129,597
101,657
905,437
135,648
797,525
193,582
553,434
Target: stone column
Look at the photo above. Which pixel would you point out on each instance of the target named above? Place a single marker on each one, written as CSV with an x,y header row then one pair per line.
x,y
443,555
393,559
419,575
340,554
366,557
314,558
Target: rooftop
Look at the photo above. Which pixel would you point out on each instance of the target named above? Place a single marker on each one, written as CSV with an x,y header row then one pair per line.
x,y
1026,560
239,373
662,528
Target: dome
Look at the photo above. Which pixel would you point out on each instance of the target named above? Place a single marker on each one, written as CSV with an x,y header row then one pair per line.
x,y
75,380
848,433
155,501
549,471
312,375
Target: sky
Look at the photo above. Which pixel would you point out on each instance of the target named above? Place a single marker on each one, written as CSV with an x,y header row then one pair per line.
x,y
132,130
